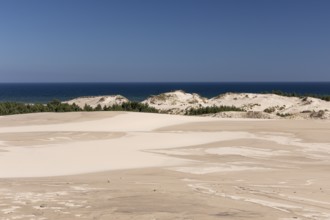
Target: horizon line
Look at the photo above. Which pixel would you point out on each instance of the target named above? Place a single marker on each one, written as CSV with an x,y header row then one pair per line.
x,y
164,82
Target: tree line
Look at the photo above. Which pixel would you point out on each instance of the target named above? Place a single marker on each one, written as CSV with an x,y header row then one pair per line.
x,y
11,108
212,110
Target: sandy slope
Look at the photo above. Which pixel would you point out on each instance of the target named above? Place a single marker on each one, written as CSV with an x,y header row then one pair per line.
x,y
178,102
116,141
255,105
94,101
157,166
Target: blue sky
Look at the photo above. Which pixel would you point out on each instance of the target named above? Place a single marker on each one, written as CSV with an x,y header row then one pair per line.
x,y
164,40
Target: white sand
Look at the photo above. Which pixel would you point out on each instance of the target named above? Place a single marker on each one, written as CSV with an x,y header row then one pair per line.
x,y
125,122
94,101
135,147
123,152
217,168
92,156
244,151
188,167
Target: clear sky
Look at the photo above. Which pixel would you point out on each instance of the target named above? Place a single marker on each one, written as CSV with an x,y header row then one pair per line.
x,y
164,40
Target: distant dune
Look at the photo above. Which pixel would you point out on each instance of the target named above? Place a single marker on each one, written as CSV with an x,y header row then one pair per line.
x,y
254,105
94,101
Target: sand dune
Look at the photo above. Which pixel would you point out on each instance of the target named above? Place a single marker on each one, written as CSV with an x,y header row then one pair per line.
x,y
94,101
178,102
267,106
117,141
120,165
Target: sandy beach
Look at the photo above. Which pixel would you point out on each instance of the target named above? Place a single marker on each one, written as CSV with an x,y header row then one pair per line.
x,y
124,165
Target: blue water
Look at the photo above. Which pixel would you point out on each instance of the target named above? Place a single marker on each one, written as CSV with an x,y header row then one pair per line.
x,y
44,92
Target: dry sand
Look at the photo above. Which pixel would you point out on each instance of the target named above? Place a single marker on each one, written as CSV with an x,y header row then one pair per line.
x,y
266,106
112,165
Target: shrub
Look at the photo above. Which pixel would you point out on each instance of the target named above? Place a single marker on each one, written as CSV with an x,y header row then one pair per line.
x,y
270,110
131,106
211,110
283,115
98,108
10,108
88,108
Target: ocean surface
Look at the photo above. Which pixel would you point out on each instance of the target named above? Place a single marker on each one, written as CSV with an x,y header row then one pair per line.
x,y
45,92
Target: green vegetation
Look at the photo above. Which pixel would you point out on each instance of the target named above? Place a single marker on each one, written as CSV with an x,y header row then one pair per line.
x,y
212,110
283,115
11,108
270,110
318,114
293,94
132,107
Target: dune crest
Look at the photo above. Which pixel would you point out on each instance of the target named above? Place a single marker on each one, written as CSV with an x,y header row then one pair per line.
x,y
94,101
266,106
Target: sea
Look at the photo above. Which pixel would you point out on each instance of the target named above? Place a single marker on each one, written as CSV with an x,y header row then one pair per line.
x,y
45,92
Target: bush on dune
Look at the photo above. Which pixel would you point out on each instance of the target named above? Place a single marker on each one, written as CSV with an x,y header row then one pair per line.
x,y
131,106
212,110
